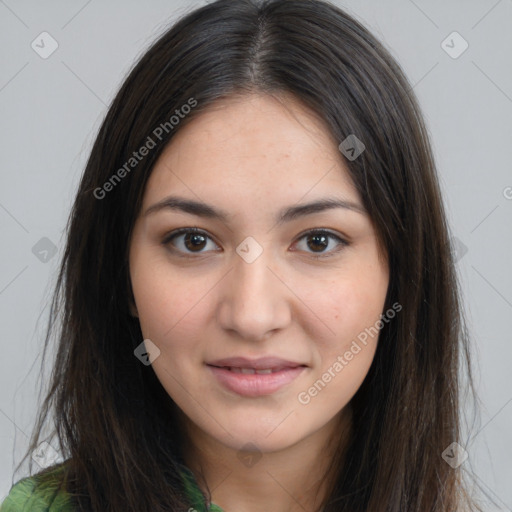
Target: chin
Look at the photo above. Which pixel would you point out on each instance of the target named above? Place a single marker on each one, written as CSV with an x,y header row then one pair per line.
x,y
264,438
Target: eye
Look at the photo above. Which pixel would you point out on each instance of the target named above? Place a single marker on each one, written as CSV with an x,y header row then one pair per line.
x,y
191,240
318,240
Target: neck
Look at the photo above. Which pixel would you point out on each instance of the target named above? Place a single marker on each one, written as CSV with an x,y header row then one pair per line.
x,y
294,479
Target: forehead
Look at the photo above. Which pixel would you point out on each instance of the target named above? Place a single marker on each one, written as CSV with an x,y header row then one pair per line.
x,y
253,145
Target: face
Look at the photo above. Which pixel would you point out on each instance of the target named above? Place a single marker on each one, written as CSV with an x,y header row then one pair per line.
x,y
259,313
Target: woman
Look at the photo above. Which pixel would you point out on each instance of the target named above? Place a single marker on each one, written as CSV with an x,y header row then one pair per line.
x,y
307,356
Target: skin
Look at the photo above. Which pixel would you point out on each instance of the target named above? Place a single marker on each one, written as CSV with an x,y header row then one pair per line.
x,y
252,156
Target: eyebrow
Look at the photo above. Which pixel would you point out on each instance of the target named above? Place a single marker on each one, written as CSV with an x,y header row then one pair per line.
x,y
288,214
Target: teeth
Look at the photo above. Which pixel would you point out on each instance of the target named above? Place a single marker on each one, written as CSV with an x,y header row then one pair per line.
x,y
252,371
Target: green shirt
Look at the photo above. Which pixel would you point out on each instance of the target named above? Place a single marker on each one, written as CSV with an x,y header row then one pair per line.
x,y
27,495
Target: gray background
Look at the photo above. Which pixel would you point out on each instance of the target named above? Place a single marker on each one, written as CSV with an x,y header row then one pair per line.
x,y
52,108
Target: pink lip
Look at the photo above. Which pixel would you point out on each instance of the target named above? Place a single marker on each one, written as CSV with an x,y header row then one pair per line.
x,y
253,385
258,364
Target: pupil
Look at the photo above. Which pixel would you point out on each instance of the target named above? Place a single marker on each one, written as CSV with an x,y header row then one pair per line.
x,y
324,241
197,240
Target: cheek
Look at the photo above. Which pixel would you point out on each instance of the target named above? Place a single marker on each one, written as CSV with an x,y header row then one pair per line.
x,y
351,304
332,388
171,307
343,358
172,320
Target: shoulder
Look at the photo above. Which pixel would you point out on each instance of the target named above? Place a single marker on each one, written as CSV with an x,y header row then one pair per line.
x,y
38,493
44,492
195,496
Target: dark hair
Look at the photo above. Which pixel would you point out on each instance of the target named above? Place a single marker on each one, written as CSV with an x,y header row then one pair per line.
x,y
112,416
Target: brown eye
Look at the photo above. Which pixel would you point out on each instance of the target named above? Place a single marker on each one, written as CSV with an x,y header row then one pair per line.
x,y
188,241
194,241
318,241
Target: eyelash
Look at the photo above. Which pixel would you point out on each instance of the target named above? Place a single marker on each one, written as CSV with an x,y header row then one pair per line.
x,y
174,234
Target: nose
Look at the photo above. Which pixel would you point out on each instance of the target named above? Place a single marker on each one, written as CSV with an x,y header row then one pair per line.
x,y
254,299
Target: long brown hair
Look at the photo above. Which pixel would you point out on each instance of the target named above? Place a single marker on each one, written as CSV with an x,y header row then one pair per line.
x,y
115,424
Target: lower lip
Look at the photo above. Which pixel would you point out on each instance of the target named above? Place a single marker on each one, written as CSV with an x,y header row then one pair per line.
x,y
253,385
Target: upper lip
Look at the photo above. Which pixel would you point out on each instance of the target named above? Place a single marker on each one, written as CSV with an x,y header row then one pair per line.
x,y
261,363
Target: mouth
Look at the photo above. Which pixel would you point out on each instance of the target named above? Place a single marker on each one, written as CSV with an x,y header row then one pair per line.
x,y
254,371
255,378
